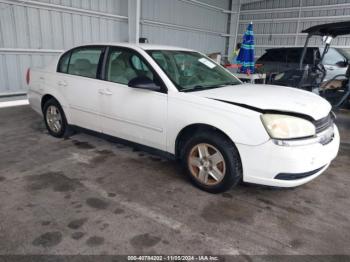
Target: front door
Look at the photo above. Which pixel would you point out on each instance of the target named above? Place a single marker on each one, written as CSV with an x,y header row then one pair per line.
x,y
133,114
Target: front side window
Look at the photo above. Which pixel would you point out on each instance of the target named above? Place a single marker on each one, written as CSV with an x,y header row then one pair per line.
x,y
124,65
191,71
84,61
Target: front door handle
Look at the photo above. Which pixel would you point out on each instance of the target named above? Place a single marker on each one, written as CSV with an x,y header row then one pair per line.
x,y
101,91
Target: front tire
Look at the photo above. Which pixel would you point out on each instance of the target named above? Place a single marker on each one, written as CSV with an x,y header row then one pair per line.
x,y
212,162
55,119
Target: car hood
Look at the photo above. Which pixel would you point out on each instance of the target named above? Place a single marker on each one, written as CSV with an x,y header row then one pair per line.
x,y
271,97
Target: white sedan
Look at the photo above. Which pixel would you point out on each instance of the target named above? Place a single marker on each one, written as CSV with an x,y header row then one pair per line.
x,y
181,103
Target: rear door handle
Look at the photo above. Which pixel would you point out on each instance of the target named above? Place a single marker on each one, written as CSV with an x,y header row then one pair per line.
x,y
108,92
62,83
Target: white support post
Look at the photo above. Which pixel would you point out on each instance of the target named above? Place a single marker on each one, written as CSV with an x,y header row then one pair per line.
x,y
236,7
298,24
134,12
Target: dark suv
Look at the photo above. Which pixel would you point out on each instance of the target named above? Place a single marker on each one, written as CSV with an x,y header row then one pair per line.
x,y
278,60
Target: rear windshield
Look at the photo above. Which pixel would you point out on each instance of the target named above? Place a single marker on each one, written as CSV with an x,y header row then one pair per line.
x,y
289,55
273,55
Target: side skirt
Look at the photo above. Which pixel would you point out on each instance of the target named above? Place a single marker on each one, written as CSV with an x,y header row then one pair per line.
x,y
118,140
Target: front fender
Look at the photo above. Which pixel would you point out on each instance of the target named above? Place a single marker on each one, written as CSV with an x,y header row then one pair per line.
x,y
241,125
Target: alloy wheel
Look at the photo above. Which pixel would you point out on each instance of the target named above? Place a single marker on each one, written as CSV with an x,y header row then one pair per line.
x,y
54,119
207,164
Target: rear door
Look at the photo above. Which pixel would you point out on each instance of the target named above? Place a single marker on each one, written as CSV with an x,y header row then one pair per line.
x,y
78,81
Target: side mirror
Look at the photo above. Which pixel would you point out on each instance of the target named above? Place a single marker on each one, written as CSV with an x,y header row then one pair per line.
x,y
143,82
342,64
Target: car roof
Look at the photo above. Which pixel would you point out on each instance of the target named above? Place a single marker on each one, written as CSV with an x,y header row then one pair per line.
x,y
142,46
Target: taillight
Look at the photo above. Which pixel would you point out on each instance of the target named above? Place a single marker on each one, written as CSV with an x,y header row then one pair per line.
x,y
28,76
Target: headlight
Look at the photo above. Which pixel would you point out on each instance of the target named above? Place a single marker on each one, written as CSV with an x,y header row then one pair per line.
x,y
287,127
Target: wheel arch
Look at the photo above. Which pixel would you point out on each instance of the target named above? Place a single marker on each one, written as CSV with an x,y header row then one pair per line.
x,y
65,109
46,98
185,133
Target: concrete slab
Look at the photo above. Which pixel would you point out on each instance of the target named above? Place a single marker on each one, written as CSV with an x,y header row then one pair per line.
x,y
85,195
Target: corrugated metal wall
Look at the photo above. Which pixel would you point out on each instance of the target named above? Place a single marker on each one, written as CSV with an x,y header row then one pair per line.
x,y
278,23
181,23
32,32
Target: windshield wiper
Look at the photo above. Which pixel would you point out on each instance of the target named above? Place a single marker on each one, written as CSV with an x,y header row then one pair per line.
x,y
230,84
200,88
195,88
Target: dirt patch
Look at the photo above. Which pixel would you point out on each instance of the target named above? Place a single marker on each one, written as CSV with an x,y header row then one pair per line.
x,y
2,179
155,159
104,226
49,239
95,241
38,126
144,241
82,145
296,243
118,211
77,223
102,157
286,208
97,203
56,181
77,235
227,195
221,212
45,223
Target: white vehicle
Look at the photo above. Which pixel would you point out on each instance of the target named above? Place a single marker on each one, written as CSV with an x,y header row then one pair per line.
x,y
180,102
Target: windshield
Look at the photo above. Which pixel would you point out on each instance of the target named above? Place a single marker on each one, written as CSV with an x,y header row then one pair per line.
x,y
344,52
191,71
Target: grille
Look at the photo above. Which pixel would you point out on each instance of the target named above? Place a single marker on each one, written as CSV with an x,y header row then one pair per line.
x,y
324,123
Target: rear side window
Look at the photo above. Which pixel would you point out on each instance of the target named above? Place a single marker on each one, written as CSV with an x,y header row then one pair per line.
x,y
84,61
63,63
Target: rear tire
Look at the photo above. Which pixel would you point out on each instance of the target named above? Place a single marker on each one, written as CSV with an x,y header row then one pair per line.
x,y
55,119
212,162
